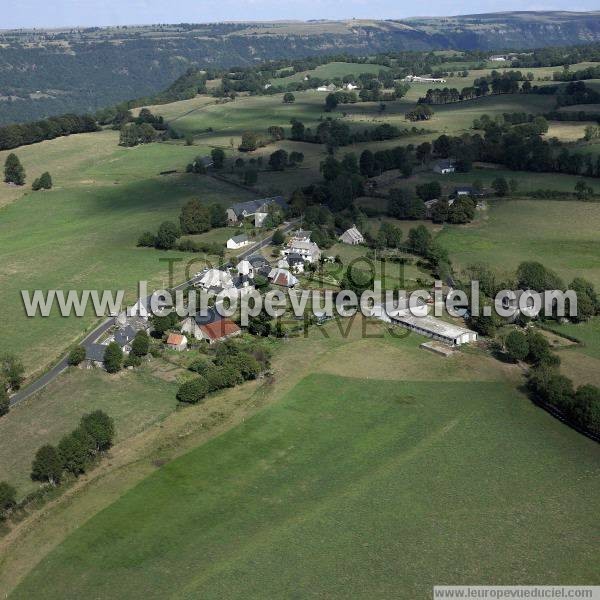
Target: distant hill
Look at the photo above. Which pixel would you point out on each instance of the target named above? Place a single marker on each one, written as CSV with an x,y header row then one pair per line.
x,y
51,72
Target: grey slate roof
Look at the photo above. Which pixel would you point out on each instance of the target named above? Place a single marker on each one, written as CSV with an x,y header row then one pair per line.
x,y
293,258
253,206
238,239
257,261
445,163
125,335
95,352
210,315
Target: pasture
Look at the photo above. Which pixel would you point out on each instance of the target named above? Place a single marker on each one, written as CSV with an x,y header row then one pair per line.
x,y
563,235
408,481
82,234
135,400
331,71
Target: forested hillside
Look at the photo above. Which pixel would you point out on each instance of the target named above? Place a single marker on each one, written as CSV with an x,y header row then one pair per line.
x,y
45,73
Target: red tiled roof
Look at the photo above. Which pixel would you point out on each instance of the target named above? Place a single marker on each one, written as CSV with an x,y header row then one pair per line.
x,y
281,279
175,339
219,329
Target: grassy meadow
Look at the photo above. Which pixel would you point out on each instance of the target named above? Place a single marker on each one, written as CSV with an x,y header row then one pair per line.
x,y
408,480
135,400
511,231
331,71
82,234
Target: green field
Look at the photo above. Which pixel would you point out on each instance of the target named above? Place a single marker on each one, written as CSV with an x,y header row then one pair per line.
x,y
526,181
563,235
349,488
82,234
332,70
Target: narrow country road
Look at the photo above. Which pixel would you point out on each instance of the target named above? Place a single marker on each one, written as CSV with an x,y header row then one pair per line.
x,y
91,337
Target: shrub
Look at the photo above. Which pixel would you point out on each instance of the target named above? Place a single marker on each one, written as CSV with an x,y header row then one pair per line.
x,y
13,170
140,344
76,356
193,391
517,345
167,235
8,498
4,400
132,360
113,357
147,240
74,453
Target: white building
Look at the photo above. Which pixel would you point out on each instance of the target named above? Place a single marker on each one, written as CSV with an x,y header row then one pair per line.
x,y
350,86
237,241
216,279
352,236
326,88
444,166
418,79
177,342
244,267
309,251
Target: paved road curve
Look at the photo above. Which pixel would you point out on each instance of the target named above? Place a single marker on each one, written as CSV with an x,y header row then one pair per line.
x,y
91,337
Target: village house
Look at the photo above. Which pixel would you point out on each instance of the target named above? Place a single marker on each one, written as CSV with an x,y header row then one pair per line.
x,y
124,337
352,236
94,356
140,309
245,267
300,235
467,190
259,209
216,280
350,86
327,88
444,166
238,241
513,305
243,284
309,251
176,341
219,331
293,262
282,278
206,161
210,326
260,265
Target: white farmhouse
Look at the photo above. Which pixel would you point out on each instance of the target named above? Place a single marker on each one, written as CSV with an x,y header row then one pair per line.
x,y
237,241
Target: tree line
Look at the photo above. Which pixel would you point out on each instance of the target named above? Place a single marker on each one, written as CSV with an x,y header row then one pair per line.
x,y
74,455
